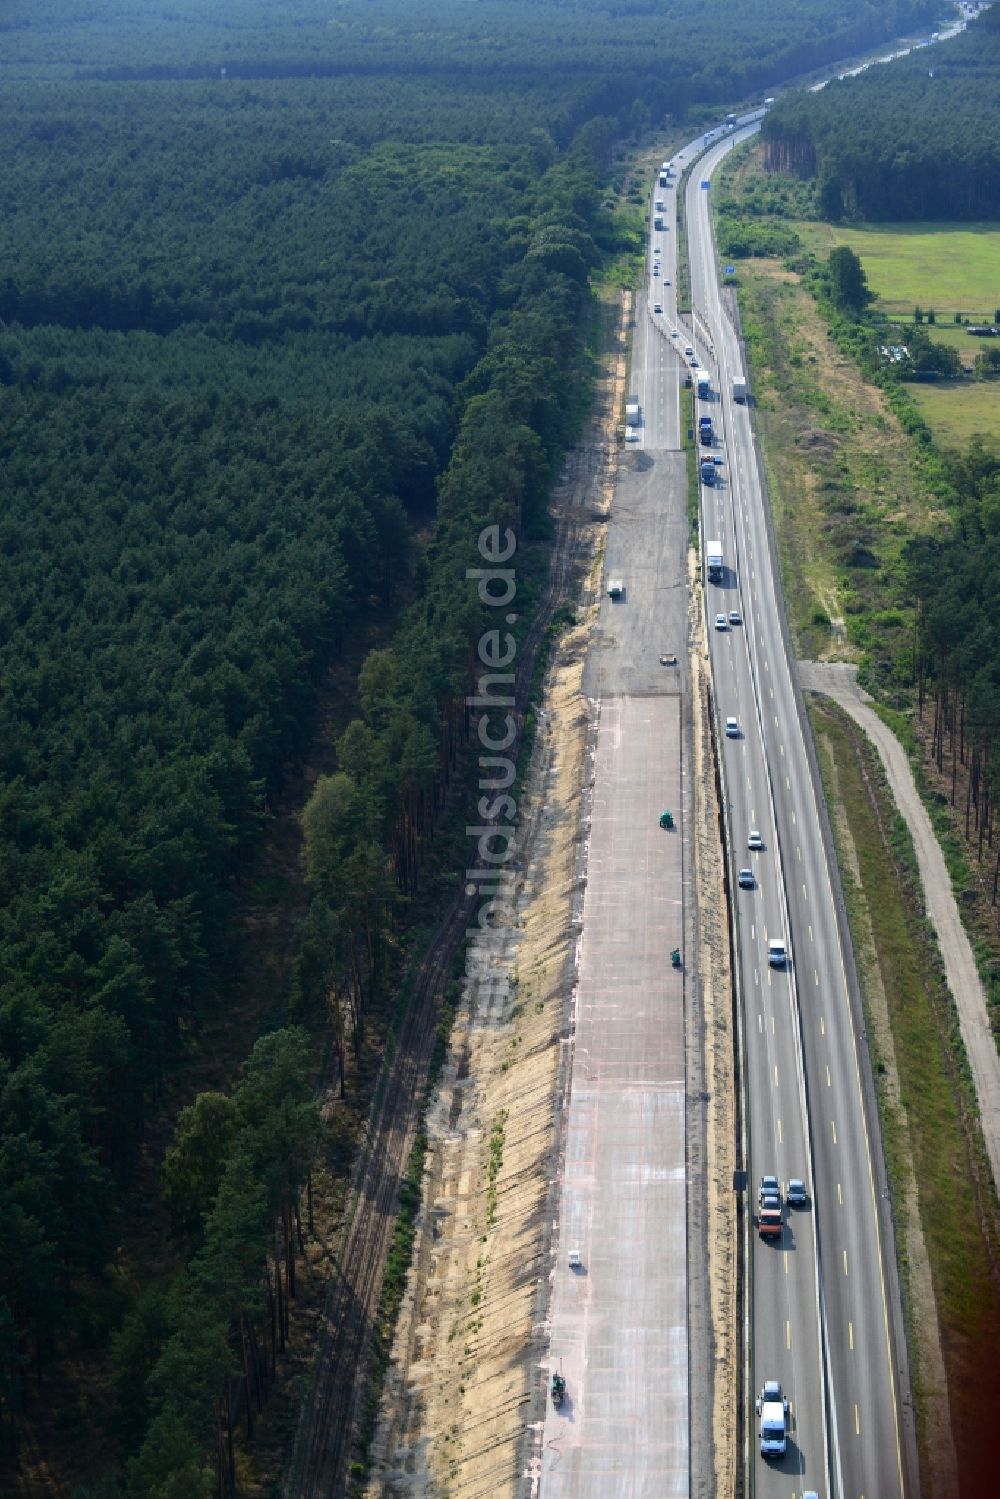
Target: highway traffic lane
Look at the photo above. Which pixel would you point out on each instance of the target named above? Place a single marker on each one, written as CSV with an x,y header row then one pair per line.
x,y
786,1342
869,1452
857,1311
795,1342
656,376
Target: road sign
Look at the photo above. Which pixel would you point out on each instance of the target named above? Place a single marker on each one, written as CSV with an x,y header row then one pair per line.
x,y
704,187
730,270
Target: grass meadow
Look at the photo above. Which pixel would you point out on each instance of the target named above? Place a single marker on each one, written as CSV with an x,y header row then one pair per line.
x,y
958,410
949,267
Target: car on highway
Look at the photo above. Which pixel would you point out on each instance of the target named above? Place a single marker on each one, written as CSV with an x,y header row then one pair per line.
x,y
770,1186
746,879
656,270
674,333
720,622
732,728
772,1408
666,280
755,840
657,307
735,617
777,952
688,350
796,1196
694,361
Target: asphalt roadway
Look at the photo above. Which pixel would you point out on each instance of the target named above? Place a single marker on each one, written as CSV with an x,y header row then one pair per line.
x,y
825,1307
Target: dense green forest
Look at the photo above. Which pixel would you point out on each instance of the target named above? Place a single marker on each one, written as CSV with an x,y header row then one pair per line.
x,y
291,306
917,138
954,581
678,54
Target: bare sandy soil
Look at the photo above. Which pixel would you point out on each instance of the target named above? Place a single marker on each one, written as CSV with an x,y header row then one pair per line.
x,y
466,1383
721,1229
464,1398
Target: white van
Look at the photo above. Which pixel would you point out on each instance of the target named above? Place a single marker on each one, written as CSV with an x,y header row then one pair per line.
x,y
777,954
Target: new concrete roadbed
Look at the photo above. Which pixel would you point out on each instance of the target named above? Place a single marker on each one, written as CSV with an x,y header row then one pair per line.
x,y
619,1321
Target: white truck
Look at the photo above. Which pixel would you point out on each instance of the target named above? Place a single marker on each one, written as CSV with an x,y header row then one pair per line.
x,y
739,388
633,412
772,1408
713,561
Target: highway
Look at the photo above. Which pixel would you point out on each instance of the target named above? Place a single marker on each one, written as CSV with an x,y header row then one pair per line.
x,y
820,1296
824,1303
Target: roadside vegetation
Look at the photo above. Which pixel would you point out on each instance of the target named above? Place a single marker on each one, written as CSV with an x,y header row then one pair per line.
x,y
846,483
885,484
925,1102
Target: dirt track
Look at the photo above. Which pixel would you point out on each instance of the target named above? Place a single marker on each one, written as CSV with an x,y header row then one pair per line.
x,y
839,681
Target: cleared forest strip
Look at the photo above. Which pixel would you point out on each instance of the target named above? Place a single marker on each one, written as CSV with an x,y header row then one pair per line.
x,y
330,1411
465,1386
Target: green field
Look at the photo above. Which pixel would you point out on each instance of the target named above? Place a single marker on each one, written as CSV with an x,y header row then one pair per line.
x,y
929,265
957,411
945,268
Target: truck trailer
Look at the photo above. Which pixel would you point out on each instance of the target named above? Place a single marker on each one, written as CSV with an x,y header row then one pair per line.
x,y
707,469
705,434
